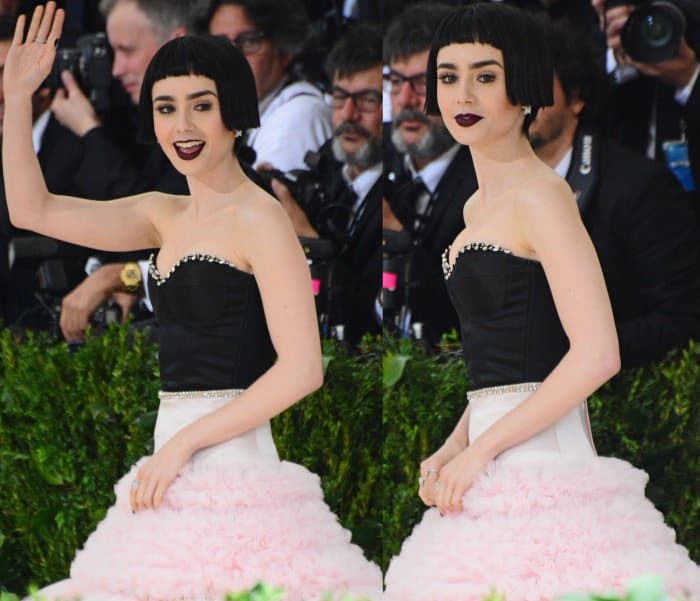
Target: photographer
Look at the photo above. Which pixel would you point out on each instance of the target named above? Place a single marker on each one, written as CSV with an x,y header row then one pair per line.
x,y
638,216
136,29
59,153
427,176
657,102
348,169
294,119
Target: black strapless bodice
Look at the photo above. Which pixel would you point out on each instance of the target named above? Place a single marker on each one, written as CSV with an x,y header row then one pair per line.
x,y
212,332
511,332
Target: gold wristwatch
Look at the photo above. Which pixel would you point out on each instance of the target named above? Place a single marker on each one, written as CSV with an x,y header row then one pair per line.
x,y
130,276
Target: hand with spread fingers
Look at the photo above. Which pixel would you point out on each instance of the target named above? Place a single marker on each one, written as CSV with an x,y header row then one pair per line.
x,y
29,59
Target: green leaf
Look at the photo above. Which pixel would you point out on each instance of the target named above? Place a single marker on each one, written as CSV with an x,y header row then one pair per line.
x,y
325,361
392,368
648,587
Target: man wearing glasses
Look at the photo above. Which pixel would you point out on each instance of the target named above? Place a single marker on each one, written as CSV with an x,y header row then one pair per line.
x,y
349,169
293,116
427,176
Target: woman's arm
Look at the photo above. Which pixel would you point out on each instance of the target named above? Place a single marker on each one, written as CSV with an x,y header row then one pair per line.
x,y
125,224
267,242
553,228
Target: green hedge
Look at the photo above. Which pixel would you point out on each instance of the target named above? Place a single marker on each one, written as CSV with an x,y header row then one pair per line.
x,y
72,423
649,416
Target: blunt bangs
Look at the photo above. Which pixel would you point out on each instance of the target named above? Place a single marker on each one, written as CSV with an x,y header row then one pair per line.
x,y
209,56
526,55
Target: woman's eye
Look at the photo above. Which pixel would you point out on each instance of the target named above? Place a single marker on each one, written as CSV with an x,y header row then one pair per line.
x,y
486,77
447,78
203,106
164,109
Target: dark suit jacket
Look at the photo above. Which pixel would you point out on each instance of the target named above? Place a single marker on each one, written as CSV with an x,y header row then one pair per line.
x,y
59,157
630,116
358,266
430,302
648,242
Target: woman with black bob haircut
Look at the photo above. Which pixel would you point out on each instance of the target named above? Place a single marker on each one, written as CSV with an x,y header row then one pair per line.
x,y
527,58
210,56
520,502
213,510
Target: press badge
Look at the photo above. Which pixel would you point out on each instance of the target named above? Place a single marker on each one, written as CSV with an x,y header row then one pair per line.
x,y
678,162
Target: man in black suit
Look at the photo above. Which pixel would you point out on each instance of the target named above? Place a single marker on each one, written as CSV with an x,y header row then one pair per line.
x,y
349,168
655,102
59,153
109,168
428,177
639,218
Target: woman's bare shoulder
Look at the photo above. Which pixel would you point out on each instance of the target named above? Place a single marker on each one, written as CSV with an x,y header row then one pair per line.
x,y
545,191
258,211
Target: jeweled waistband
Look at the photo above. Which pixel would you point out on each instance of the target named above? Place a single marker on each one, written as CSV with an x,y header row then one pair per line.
x,y
228,393
504,389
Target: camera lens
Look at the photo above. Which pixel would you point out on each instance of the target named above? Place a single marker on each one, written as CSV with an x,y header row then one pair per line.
x,y
653,32
657,29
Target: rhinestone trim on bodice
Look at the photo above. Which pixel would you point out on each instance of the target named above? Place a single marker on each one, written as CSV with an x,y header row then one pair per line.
x,y
447,269
160,280
504,389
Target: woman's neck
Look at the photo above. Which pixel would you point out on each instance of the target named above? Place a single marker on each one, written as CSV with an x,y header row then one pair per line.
x,y
206,189
503,165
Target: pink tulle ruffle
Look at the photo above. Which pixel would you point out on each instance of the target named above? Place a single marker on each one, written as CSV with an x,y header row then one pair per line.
x,y
222,529
536,526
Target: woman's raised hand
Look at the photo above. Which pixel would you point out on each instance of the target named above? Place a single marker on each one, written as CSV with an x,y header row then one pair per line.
x,y
29,60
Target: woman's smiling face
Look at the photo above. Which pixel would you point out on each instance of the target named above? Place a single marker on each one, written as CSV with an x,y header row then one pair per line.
x,y
188,125
471,93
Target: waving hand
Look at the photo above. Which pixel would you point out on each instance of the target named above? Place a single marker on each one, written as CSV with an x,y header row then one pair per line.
x,y
29,60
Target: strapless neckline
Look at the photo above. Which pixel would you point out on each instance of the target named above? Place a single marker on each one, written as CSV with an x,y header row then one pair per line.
x,y
448,268
204,257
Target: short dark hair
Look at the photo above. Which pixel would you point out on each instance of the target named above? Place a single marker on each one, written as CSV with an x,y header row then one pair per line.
x,y
213,57
526,55
164,15
579,65
412,31
283,21
359,49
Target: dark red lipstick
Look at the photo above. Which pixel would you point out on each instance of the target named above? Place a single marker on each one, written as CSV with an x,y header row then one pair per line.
x,y
467,119
189,150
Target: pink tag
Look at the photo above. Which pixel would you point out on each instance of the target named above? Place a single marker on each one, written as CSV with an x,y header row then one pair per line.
x,y
316,286
390,280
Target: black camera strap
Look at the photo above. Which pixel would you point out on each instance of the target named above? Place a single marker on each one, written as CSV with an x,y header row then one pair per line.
x,y
584,171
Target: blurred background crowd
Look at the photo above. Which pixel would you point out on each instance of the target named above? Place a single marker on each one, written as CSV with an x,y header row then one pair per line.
x,y
373,186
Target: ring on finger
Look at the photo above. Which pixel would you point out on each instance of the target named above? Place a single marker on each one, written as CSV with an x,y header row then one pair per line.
x,y
421,482
436,485
134,485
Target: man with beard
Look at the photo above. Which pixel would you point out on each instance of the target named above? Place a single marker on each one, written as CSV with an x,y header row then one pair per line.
x,y
348,168
639,218
427,176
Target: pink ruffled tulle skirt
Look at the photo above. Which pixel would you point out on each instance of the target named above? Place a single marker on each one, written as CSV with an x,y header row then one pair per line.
x,y
547,517
235,516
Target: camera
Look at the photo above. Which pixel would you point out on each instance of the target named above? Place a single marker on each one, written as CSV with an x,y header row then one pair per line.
x,y
46,270
90,63
654,30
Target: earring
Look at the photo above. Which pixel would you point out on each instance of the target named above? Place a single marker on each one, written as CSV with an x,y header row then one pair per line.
x,y
238,133
527,109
